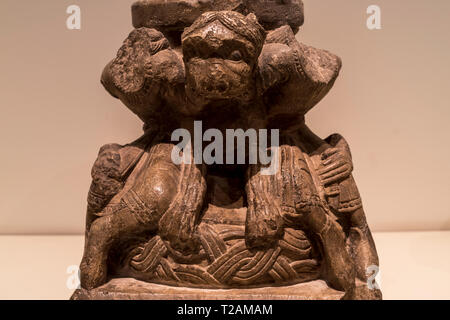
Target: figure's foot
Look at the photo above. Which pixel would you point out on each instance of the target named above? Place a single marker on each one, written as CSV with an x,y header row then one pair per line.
x,y
93,267
363,292
93,273
362,249
264,226
178,227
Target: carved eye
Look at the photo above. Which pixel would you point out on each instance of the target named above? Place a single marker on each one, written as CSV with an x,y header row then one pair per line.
x,y
236,55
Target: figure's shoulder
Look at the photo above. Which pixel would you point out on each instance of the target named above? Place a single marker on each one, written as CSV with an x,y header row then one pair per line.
x,y
144,67
300,75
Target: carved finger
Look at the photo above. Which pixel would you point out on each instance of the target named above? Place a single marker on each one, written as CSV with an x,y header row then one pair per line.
x,y
333,158
336,178
332,167
327,153
330,174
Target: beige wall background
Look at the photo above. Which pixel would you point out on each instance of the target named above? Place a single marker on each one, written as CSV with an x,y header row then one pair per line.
x,y
390,102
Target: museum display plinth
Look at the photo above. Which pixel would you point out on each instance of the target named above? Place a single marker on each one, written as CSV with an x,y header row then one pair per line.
x,y
131,289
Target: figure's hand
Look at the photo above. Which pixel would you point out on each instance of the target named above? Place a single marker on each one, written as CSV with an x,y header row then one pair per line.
x,y
336,165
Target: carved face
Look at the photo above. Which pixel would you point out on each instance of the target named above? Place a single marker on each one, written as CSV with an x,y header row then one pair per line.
x,y
219,64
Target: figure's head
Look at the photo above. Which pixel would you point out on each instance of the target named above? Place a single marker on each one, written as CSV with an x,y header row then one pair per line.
x,y
220,52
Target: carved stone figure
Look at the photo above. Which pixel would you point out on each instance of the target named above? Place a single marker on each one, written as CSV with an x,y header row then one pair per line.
x,y
232,64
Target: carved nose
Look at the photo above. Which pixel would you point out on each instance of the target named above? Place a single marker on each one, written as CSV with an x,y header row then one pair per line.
x,y
209,87
221,86
215,73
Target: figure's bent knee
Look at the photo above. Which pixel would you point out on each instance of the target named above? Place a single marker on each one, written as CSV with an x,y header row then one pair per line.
x,y
159,185
163,191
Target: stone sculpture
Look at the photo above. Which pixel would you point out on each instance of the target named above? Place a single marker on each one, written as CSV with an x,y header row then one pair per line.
x,y
231,64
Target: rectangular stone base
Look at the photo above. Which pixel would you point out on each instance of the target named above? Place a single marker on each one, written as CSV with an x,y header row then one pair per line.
x,y
132,289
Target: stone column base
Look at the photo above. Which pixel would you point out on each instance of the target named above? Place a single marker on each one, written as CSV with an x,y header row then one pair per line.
x,y
132,289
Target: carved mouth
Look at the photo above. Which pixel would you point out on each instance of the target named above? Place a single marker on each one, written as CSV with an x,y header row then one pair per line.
x,y
216,88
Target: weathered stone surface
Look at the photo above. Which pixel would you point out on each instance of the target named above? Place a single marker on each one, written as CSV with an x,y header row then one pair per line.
x,y
131,289
301,75
223,226
275,13
175,15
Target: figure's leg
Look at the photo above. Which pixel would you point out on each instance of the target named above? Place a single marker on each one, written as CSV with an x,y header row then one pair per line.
x,y
338,265
141,209
179,222
113,166
361,243
176,192
311,213
103,232
344,198
264,222
363,251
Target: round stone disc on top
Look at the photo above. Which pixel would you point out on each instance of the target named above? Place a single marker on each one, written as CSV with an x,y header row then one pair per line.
x,y
272,14
175,15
